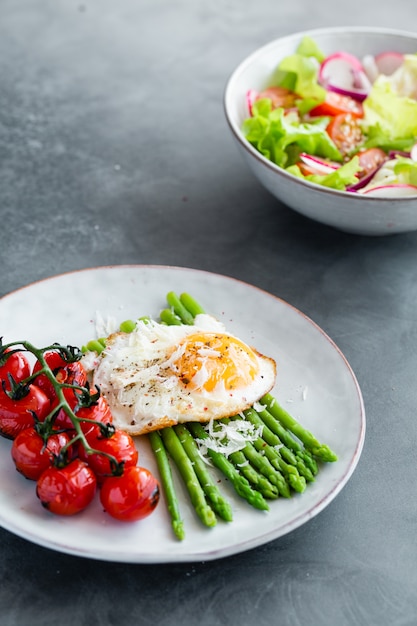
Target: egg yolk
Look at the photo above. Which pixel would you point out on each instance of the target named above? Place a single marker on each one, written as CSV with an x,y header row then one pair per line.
x,y
210,359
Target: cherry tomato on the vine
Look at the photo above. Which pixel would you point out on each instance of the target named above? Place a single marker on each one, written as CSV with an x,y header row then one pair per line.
x,y
55,361
67,490
14,363
99,411
15,413
32,455
117,443
71,374
132,496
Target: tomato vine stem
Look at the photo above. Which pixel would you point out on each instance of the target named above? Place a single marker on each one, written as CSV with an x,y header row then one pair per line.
x,y
70,354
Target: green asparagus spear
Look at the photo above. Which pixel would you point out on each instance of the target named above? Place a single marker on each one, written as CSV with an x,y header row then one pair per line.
x,y
239,482
186,469
296,481
192,306
94,345
128,326
167,483
179,309
271,454
273,440
167,316
218,503
259,482
321,451
292,450
257,479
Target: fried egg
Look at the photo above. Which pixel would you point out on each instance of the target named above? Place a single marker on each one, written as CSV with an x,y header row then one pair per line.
x,y
159,375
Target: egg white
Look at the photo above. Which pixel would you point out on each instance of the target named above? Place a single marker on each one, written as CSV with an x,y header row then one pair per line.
x,y
136,373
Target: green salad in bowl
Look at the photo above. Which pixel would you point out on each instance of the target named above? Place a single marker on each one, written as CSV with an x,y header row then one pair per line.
x,y
341,120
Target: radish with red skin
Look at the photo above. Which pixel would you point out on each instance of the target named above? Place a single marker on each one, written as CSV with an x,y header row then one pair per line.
x,y
391,191
317,165
343,73
251,98
388,62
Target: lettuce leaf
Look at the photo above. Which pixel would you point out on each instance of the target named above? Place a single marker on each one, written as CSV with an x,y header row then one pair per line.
x,y
390,120
298,72
339,179
281,138
379,137
309,48
406,171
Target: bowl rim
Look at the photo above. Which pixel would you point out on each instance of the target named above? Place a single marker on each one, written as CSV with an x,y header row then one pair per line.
x,y
237,133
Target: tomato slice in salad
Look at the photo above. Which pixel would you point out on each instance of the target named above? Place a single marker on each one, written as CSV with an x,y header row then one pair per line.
x,y
338,104
279,96
344,130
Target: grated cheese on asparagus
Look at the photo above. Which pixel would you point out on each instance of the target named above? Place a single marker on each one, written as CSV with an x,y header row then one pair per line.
x,y
229,437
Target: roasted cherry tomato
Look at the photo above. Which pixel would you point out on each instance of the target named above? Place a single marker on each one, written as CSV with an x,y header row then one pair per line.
x,y
370,160
71,374
114,442
32,455
345,132
99,412
14,363
15,412
67,490
279,96
55,361
337,104
132,496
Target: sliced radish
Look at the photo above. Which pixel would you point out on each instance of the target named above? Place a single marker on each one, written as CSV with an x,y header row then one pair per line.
x,y
317,165
391,191
343,73
251,96
413,153
388,62
370,67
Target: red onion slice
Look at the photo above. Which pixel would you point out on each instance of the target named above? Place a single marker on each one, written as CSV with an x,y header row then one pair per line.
x,y
403,153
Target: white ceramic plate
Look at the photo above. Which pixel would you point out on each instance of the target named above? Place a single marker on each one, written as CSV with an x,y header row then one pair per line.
x,y
315,383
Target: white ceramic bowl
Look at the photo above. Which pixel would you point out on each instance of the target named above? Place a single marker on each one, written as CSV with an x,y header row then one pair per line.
x,y
346,211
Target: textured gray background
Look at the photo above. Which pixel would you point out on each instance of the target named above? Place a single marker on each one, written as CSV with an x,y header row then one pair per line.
x,y
114,149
